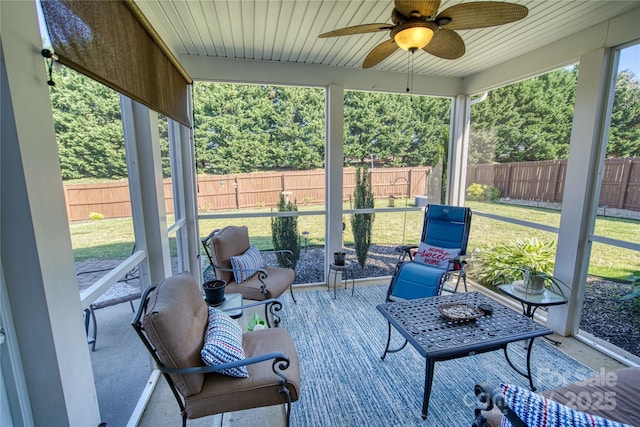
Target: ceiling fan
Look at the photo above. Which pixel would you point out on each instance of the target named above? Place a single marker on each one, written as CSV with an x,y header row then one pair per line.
x,y
417,25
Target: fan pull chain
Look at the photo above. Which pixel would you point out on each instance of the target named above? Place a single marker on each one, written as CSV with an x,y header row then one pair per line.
x,y
410,73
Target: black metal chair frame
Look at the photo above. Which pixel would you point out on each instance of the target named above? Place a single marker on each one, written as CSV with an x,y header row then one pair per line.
x,y
262,273
89,312
387,350
280,360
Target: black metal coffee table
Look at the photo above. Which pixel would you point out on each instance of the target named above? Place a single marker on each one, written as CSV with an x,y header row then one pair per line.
x,y
438,339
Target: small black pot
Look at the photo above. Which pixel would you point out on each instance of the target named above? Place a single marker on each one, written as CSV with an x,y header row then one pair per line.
x,y
338,258
214,291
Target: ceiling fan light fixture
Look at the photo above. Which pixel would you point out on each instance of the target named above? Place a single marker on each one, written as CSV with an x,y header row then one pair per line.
x,y
412,36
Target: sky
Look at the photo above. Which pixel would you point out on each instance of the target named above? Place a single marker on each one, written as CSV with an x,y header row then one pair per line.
x,y
630,60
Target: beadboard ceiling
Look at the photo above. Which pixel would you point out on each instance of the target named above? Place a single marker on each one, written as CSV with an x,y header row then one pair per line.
x,y
287,31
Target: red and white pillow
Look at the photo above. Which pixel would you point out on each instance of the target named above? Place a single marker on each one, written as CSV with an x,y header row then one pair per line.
x,y
435,256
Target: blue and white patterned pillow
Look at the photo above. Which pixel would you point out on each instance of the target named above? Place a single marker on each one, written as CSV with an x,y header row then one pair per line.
x,y
245,265
223,343
538,411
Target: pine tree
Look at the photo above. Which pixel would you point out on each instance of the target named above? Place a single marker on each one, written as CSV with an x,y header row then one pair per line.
x,y
284,233
362,223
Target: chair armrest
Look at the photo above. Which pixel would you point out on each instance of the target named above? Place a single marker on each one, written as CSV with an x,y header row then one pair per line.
x,y
277,251
262,274
488,396
257,270
404,251
276,356
280,363
405,248
280,254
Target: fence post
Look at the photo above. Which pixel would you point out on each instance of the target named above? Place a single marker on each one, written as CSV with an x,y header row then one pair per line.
x,y
473,171
66,202
509,190
237,191
556,174
282,183
624,184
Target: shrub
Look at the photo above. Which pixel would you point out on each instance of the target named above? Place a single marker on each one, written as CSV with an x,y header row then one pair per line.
x,y
482,192
362,223
634,279
475,192
502,263
492,192
95,216
284,233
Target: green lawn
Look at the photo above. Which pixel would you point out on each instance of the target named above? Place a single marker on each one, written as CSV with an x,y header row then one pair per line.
x,y
113,238
606,261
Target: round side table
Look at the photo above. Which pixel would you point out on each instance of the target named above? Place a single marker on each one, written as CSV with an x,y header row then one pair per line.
x,y
346,272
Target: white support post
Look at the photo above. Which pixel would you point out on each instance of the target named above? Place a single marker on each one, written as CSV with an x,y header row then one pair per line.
x,y
37,256
594,100
190,233
458,149
334,160
177,189
144,165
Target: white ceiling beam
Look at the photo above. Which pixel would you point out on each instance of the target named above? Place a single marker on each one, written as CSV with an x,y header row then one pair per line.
x,y
567,51
280,73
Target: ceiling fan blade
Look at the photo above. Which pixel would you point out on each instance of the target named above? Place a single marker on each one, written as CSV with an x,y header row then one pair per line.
x,y
417,8
357,29
468,16
446,44
379,53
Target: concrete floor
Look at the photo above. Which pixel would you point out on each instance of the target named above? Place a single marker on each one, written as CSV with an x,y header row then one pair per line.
x,y
122,370
163,410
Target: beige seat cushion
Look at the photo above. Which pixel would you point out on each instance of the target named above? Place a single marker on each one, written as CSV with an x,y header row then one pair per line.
x,y
221,393
175,322
233,241
277,281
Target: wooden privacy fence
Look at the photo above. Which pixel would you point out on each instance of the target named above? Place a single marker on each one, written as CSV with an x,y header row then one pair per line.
x,y
246,191
544,181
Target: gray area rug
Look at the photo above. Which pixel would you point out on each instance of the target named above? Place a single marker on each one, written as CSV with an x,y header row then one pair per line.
x,y
344,382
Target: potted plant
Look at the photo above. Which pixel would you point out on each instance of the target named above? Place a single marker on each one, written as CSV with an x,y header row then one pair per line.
x,y
535,282
339,258
532,280
214,291
525,262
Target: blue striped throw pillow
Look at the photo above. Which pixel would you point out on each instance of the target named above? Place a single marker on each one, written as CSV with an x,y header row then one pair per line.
x,y
538,411
223,343
246,265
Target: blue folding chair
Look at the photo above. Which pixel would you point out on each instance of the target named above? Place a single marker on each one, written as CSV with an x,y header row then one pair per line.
x,y
412,280
445,227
